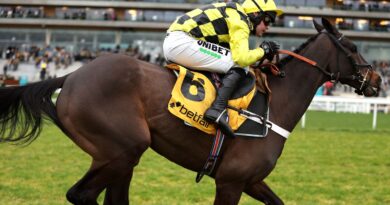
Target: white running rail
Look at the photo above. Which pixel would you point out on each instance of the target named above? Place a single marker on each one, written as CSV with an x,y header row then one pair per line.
x,y
349,104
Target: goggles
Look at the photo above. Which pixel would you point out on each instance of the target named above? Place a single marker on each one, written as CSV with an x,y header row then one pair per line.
x,y
267,20
266,17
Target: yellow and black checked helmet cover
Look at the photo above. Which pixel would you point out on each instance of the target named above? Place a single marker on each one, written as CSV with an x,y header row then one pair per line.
x,y
209,23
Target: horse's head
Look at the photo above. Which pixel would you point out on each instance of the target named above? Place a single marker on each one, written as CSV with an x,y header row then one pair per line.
x,y
347,65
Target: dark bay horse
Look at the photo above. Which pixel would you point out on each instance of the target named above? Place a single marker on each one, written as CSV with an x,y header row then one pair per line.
x,y
115,107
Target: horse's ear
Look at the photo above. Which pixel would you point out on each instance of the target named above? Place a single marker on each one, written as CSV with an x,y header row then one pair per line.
x,y
329,27
318,26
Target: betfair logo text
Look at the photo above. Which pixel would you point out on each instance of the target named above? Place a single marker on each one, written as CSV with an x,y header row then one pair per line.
x,y
193,116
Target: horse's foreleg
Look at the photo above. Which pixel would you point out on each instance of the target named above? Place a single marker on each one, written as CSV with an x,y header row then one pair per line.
x,y
262,192
244,162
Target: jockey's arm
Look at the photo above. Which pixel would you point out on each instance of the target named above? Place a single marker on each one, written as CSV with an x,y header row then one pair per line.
x,y
239,41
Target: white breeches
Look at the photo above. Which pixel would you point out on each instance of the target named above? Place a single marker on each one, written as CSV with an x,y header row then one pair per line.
x,y
185,50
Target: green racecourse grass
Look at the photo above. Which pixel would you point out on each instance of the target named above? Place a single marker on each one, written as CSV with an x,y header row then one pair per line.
x,y
337,159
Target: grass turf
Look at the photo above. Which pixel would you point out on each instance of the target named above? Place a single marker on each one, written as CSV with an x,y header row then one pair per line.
x,y
337,159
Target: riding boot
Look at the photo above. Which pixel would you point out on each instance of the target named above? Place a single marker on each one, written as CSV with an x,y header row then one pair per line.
x,y
217,112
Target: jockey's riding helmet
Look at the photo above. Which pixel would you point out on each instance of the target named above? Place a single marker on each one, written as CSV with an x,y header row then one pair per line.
x,y
261,10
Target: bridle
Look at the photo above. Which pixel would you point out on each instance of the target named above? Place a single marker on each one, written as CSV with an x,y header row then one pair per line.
x,y
364,79
335,77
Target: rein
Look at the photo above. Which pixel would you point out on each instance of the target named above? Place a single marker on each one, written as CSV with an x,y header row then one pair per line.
x,y
333,77
297,56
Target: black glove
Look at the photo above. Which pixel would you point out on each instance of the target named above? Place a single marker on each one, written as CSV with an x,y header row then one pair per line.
x,y
270,48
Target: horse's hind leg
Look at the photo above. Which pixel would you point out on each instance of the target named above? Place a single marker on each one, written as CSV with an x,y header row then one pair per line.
x,y
77,196
228,193
262,192
117,193
102,175
87,189
112,165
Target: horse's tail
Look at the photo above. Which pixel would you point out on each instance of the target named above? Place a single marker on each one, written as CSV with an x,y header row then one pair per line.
x,y
23,109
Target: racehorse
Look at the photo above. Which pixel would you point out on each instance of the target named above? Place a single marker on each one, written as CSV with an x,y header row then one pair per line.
x,y
115,107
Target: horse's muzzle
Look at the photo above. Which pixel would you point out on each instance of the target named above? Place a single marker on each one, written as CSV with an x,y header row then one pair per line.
x,y
374,88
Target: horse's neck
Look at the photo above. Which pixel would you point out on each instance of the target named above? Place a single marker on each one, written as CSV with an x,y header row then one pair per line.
x,y
291,96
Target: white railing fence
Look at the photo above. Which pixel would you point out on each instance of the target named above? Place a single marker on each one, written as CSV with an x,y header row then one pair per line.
x,y
349,104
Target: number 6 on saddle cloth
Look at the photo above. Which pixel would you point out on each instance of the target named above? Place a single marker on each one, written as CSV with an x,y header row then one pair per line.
x,y
194,92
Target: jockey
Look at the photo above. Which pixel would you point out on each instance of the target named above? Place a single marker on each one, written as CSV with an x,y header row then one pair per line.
x,y
216,39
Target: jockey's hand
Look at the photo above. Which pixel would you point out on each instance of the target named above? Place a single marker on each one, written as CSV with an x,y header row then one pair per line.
x,y
270,48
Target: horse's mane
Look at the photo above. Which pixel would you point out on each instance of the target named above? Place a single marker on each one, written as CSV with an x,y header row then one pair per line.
x,y
287,59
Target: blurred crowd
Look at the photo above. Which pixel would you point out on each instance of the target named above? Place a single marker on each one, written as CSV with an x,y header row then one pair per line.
x,y
383,67
21,12
59,57
156,15
36,55
86,55
370,6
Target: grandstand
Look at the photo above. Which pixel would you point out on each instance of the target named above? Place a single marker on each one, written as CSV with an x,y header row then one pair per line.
x,y
67,33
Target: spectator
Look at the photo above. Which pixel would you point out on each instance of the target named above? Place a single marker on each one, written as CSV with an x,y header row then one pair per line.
x,y
117,49
2,80
134,52
328,88
160,60
384,70
146,57
9,53
5,69
15,60
320,91
44,65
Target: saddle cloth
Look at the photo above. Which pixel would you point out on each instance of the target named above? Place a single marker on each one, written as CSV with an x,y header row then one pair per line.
x,y
194,93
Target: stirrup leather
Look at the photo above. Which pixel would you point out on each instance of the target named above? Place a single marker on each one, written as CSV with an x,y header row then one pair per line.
x,y
220,116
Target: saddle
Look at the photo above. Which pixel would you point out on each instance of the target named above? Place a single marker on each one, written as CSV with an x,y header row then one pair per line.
x,y
194,92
